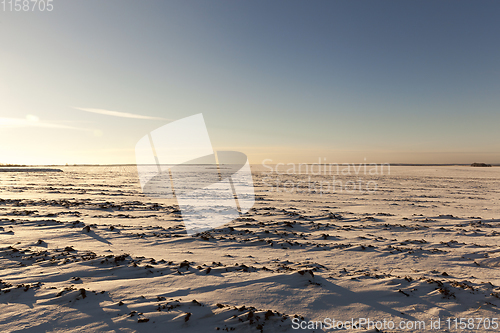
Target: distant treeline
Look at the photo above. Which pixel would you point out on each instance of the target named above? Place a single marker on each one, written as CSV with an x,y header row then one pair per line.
x,y
11,165
480,165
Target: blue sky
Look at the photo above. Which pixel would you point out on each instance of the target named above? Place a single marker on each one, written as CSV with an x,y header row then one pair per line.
x,y
291,81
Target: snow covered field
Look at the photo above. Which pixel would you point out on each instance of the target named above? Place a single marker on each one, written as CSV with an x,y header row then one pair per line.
x,y
83,250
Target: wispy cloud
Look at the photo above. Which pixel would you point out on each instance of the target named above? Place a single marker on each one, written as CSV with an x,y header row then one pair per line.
x,y
119,114
34,121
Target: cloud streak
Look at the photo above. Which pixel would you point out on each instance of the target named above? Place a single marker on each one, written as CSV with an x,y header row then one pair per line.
x,y
119,114
33,121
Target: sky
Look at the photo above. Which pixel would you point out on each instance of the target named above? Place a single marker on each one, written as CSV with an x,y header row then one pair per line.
x,y
283,81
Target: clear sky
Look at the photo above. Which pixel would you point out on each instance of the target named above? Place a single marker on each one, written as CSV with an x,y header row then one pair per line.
x,y
290,81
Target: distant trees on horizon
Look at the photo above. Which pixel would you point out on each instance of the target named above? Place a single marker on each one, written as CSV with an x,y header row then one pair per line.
x,y
480,165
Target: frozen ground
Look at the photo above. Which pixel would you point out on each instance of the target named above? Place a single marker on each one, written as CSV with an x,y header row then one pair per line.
x,y
84,250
